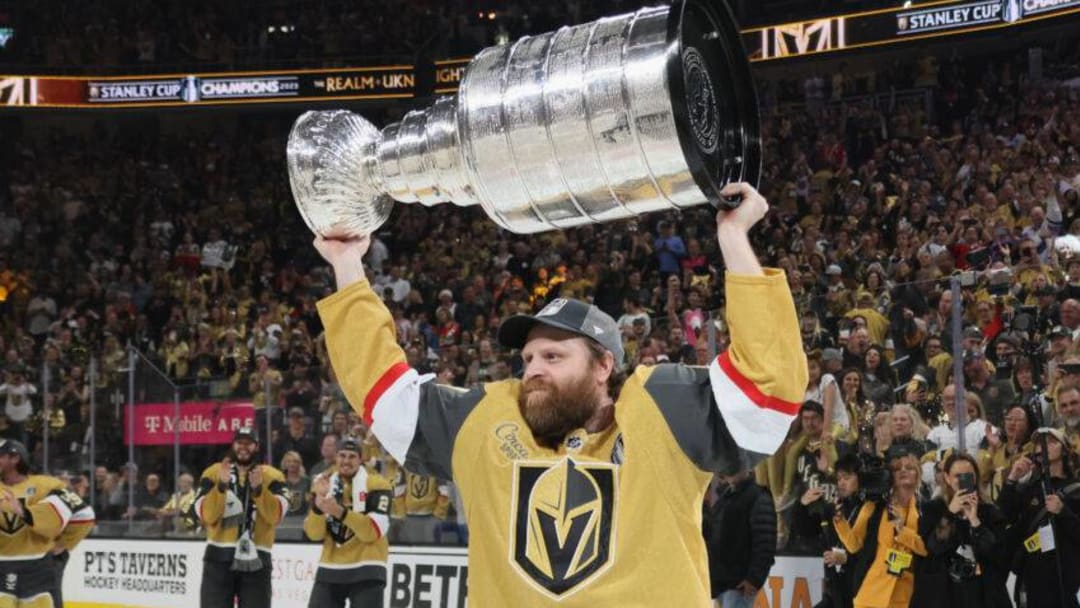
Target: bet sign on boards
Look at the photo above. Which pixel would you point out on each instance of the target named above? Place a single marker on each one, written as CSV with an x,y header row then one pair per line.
x,y
166,573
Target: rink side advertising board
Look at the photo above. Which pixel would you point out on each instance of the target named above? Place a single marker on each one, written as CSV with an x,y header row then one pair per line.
x,y
894,25
166,573
200,423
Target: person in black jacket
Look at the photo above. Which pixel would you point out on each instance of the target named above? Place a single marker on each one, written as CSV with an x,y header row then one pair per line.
x,y
811,523
740,535
965,538
1035,495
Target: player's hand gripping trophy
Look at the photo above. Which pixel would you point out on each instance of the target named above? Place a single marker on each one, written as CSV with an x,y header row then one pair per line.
x,y
597,122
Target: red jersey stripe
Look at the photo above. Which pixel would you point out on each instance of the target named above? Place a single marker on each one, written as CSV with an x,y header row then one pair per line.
x,y
385,382
751,390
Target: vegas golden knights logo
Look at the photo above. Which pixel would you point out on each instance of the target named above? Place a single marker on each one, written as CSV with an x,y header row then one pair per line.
x,y
419,486
10,523
563,520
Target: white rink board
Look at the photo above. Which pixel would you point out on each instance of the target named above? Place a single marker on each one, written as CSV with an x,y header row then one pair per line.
x,y
166,574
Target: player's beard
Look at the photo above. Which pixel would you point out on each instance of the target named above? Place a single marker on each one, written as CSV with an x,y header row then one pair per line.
x,y
552,411
246,460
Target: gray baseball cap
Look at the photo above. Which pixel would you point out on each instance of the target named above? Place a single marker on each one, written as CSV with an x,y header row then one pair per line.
x,y
14,448
569,315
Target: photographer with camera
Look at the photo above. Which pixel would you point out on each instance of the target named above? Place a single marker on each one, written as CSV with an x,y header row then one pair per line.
x,y
811,531
1061,368
885,532
1041,500
964,534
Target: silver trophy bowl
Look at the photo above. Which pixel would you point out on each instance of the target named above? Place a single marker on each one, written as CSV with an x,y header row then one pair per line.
x,y
647,111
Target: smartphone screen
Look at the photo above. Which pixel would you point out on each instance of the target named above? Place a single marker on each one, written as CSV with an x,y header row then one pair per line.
x,y
966,482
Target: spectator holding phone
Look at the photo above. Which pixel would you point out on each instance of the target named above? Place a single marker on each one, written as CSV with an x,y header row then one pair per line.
x,y
964,536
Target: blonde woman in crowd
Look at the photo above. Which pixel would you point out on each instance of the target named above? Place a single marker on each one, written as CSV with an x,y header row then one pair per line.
x,y
907,427
887,531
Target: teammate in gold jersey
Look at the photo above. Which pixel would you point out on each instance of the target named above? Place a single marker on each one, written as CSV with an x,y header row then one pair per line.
x,y
421,503
582,485
350,514
240,504
39,516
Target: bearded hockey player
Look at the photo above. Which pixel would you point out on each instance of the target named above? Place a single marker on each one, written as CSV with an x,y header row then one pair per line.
x,y
240,503
579,484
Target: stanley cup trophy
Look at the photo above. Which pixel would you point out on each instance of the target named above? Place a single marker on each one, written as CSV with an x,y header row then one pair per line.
x,y
607,120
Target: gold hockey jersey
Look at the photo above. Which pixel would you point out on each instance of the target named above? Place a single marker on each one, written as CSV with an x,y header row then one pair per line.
x,y
354,548
606,519
420,495
52,514
221,511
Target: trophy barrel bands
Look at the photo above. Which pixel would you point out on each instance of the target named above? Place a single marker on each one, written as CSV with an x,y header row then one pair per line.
x,y
582,119
419,158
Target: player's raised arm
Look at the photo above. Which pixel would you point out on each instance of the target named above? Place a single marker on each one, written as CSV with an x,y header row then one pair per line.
x,y
759,382
737,410
414,419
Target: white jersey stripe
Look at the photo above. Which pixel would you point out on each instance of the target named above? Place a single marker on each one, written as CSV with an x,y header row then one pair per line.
x,y
754,428
396,413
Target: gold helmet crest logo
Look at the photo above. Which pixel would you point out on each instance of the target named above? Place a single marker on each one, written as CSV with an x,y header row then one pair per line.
x,y
564,517
564,508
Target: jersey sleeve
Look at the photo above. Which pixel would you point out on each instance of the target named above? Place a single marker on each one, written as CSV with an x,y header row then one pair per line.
x,y
209,503
374,523
759,382
728,416
273,501
50,515
315,524
79,525
414,419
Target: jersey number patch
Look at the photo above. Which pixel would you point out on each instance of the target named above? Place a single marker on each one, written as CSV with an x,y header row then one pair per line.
x,y
563,517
